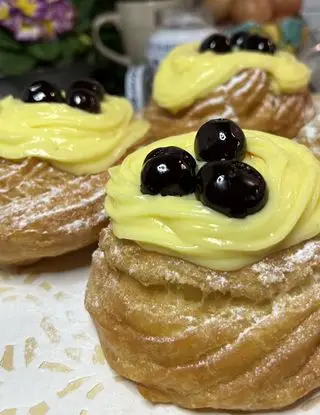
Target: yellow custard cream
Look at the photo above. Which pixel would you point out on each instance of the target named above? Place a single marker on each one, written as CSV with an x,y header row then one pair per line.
x,y
185,228
187,75
71,139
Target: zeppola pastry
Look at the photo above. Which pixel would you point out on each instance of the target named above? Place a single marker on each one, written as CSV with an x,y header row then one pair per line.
x,y
54,151
244,78
309,135
205,289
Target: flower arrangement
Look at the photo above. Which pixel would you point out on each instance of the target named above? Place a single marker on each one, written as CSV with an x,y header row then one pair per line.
x,y
37,33
32,20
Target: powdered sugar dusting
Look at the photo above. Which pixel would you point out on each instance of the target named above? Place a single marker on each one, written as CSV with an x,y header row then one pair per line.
x,y
308,252
272,273
237,79
310,133
80,224
269,273
248,85
32,192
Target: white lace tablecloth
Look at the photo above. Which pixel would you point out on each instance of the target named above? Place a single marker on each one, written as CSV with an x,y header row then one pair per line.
x,y
50,358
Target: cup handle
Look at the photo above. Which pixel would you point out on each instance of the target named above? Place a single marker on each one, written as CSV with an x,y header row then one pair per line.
x,y
98,23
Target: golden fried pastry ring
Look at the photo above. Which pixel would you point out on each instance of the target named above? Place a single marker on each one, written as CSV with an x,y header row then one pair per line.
x,y
242,340
246,98
47,212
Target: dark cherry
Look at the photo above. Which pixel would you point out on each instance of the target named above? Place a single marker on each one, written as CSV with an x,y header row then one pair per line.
x,y
238,40
174,151
260,44
232,188
42,91
216,43
84,100
220,139
89,85
168,174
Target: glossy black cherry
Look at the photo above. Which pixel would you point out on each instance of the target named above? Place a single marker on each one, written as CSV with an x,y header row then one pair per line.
x,y
168,175
232,188
84,100
42,91
216,43
238,40
90,85
260,44
172,151
220,139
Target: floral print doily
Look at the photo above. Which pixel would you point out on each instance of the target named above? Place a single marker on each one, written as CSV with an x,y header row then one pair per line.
x,y
50,358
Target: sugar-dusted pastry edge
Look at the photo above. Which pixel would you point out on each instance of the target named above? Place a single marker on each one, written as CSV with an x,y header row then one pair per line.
x,y
309,135
270,280
246,99
31,230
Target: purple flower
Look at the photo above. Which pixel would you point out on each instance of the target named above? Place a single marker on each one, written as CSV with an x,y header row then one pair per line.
x,y
62,16
24,29
30,8
31,20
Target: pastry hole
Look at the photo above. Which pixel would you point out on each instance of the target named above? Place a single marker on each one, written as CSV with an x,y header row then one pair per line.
x,y
187,292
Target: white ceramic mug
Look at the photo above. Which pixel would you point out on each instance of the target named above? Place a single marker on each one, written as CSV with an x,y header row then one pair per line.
x,y
136,20
176,27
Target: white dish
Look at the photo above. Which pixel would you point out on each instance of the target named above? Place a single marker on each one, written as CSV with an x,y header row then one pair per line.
x,y
50,358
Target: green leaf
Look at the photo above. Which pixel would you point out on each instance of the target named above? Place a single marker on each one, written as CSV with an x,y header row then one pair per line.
x,y
91,58
83,27
15,63
84,10
84,44
7,42
102,6
47,51
72,47
69,50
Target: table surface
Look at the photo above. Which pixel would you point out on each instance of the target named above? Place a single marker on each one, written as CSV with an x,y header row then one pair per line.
x,y
50,358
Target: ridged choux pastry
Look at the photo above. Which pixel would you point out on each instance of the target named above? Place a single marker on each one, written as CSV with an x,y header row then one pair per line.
x,y
209,297
249,81
55,149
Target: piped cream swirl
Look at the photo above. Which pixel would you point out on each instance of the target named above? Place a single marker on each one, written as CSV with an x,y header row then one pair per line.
x,y
71,139
187,75
183,227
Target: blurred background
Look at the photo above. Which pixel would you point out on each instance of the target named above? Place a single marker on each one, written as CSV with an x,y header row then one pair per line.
x,y
120,43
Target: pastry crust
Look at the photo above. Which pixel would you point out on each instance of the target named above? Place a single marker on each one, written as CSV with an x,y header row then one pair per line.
x,y
246,99
243,340
309,135
46,212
